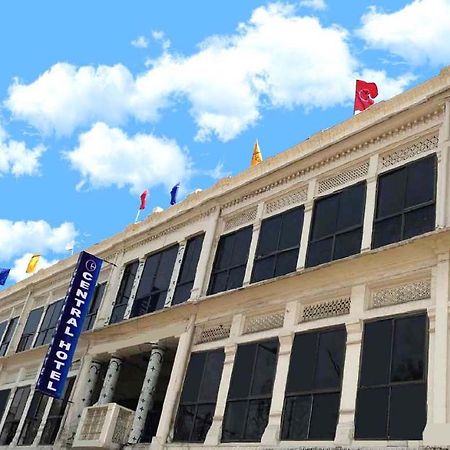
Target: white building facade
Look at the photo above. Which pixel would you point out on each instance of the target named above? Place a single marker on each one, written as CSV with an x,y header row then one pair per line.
x,y
303,303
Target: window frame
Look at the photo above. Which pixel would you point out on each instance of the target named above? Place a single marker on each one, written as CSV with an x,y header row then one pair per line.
x,y
335,233
215,272
26,341
179,283
390,384
276,253
51,328
404,211
9,333
198,402
121,291
30,426
96,301
15,423
315,391
250,397
159,253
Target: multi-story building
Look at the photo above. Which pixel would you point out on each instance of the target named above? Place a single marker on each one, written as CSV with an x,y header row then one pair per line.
x,y
302,303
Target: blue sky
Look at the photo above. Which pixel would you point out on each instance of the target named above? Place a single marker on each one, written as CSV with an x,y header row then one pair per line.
x,y
100,100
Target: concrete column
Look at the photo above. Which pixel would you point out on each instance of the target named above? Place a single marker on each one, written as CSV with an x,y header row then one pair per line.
x,y
110,383
214,435
346,423
175,385
114,279
443,172
271,435
175,273
437,430
204,265
371,198
307,219
134,288
253,245
146,399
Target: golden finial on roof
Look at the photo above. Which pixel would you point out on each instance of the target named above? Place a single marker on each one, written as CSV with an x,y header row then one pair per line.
x,y
256,156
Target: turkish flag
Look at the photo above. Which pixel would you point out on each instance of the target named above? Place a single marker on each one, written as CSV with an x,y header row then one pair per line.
x,y
364,95
143,199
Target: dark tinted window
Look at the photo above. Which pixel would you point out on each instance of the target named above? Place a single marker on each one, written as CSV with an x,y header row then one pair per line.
x,y
337,225
7,336
48,324
152,291
93,307
56,414
278,244
33,419
30,328
188,269
250,392
198,398
391,401
4,396
406,202
123,295
14,415
230,261
313,388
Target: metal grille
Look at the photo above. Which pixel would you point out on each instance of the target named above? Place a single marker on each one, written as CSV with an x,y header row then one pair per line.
x,y
332,308
212,333
123,426
241,219
93,423
410,292
263,322
292,198
344,177
410,151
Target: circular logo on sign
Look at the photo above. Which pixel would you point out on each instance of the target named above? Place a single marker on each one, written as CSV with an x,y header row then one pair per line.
x,y
91,265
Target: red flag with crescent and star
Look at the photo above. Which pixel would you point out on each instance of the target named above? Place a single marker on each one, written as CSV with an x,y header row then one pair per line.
x,y
364,95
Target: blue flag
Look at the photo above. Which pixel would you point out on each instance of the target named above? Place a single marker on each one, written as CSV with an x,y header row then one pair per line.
x,y
174,193
3,276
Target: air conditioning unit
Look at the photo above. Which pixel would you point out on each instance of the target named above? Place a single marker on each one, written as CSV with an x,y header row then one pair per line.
x,y
103,426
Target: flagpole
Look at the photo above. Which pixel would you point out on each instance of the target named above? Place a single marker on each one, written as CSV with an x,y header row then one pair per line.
x,y
137,216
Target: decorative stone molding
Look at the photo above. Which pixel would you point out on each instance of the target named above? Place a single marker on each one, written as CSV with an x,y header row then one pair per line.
x,y
322,310
418,290
171,229
207,333
240,219
291,199
353,174
385,138
409,151
263,322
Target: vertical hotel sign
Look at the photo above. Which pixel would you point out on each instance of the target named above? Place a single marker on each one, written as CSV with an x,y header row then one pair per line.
x,y
60,353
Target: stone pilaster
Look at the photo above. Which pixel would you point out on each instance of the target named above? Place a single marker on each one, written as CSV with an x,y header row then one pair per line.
x,y
134,288
271,435
371,198
146,398
111,378
437,429
443,172
175,273
175,386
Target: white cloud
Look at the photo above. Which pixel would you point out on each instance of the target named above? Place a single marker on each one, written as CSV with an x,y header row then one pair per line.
x,y
33,236
107,156
159,36
65,97
319,5
275,59
18,271
17,158
418,32
140,42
